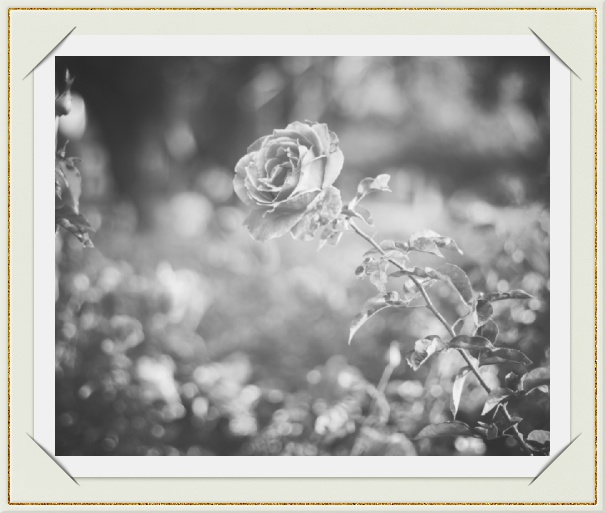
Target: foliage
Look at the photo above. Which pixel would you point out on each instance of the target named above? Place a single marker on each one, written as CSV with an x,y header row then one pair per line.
x,y
395,258
178,335
68,181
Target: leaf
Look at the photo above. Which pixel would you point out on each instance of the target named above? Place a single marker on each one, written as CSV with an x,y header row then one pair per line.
x,y
425,245
535,378
372,307
459,280
392,245
428,241
489,330
76,224
457,389
503,423
420,272
367,185
468,342
332,233
378,277
454,428
68,184
364,213
375,267
483,312
423,349
505,355
494,398
380,183
513,294
539,436
320,212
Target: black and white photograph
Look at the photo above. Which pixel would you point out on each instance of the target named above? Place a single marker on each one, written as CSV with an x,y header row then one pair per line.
x,y
302,256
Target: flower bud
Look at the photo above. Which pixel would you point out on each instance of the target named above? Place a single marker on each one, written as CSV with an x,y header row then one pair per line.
x,y
63,101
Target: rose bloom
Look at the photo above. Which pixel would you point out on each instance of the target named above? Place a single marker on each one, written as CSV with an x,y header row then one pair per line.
x,y
288,175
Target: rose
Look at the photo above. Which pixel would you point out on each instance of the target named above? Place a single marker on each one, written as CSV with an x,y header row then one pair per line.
x,y
286,179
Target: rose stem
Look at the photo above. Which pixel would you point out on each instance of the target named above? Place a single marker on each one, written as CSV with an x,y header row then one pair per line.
x,y
450,330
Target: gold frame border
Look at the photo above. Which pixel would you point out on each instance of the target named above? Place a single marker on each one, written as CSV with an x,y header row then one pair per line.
x,y
596,274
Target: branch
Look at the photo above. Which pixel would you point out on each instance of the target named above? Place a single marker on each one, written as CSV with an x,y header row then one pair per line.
x,y
450,329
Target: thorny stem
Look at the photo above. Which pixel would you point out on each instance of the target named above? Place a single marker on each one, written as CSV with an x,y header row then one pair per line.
x,y
448,327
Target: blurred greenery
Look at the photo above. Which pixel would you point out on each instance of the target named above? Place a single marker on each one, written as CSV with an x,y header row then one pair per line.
x,y
180,335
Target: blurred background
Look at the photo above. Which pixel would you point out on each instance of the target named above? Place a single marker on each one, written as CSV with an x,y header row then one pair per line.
x,y
180,335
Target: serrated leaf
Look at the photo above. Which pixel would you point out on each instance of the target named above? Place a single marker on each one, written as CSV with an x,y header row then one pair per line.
x,y
423,234
459,280
367,185
513,294
429,241
420,272
457,389
483,312
468,342
332,233
454,428
380,183
535,378
424,245
449,243
423,350
505,355
489,330
378,278
372,307
494,398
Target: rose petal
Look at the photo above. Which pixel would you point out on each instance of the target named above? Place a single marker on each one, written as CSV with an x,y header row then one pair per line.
x,y
259,161
321,129
333,167
289,186
265,225
256,145
311,172
259,196
309,134
239,179
241,191
271,163
242,164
